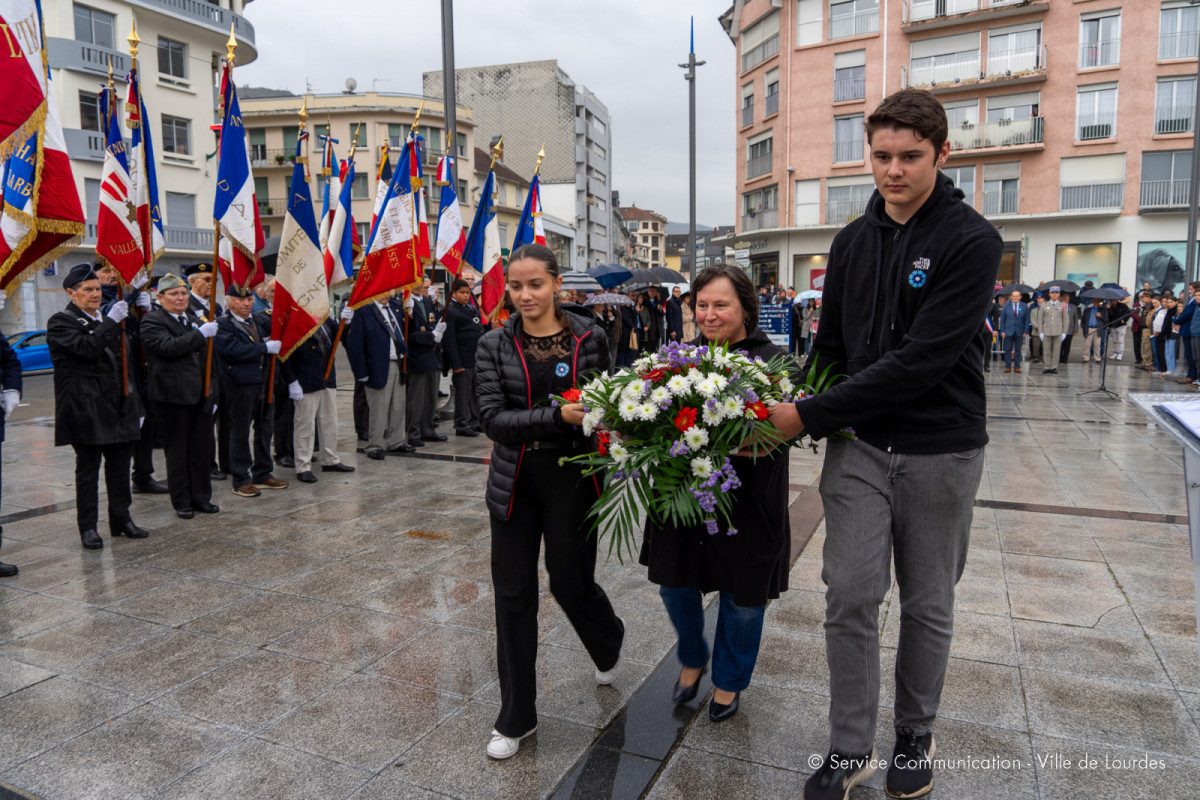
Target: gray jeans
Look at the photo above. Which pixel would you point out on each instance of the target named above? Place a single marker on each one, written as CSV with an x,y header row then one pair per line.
x,y
878,506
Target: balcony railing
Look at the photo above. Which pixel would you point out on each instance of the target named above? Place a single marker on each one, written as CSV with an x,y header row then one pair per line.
x,y
747,115
760,220
1003,133
842,212
84,57
204,13
948,68
930,9
856,24
1181,44
849,89
272,206
756,55
849,150
1095,126
1165,194
1091,197
1174,119
1104,53
1002,202
758,166
1016,60
771,104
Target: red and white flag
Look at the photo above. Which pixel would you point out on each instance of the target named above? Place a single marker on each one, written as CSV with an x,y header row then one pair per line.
x,y
451,236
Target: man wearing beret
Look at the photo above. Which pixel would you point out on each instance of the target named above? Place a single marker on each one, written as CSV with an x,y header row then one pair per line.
x,y
175,339
241,347
93,412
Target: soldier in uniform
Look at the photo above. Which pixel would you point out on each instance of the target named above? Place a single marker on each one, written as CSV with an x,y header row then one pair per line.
x,y
10,396
242,346
315,398
92,412
1054,322
174,338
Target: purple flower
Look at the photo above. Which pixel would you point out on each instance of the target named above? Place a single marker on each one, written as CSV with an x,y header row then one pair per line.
x,y
711,525
731,532
678,448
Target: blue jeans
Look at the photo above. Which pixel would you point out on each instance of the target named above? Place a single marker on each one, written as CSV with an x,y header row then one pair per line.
x,y
735,646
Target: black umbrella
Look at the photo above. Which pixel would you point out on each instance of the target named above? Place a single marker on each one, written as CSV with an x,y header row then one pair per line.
x,y
1102,294
644,276
668,275
1064,286
1018,287
609,275
268,254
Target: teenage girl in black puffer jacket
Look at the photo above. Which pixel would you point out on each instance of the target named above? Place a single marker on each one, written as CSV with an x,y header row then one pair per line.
x,y
543,349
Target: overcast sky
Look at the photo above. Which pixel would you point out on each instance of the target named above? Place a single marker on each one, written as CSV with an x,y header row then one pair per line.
x,y
625,51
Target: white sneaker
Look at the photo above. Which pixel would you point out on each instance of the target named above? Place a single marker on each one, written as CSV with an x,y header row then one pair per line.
x,y
606,677
502,747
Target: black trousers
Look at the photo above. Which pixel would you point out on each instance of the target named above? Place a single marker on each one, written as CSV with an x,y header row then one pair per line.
x,y
1137,345
362,413
116,483
551,502
188,445
1066,349
466,414
221,426
284,422
421,404
143,448
249,413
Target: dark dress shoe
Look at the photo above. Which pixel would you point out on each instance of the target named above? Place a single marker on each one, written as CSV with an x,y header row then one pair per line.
x,y
217,475
91,539
8,570
206,508
376,454
128,530
184,513
306,477
286,461
150,487
338,467
718,712
686,694
402,450
466,433
437,437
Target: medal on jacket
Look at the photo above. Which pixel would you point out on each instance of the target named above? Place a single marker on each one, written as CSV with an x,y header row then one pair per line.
x,y
561,369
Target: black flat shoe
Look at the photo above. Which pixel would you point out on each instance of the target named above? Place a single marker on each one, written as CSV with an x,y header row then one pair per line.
x,y
217,475
718,712
128,530
306,477
437,437
338,467
91,540
184,513
150,487
206,508
686,694
8,570
416,442
466,433
401,450
376,454
286,461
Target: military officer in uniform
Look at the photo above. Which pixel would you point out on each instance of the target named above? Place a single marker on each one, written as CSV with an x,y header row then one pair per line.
x,y
174,338
92,412
241,347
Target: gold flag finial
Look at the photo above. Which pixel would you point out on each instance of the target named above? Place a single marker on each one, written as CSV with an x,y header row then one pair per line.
x,y
541,157
303,112
133,39
354,145
497,151
417,118
230,45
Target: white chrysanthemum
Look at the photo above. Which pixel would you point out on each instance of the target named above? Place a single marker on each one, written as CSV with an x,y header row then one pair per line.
x,y
707,387
659,395
712,416
592,420
721,381
632,392
618,453
786,386
722,359
702,467
695,437
616,394
627,409
731,407
647,411
678,385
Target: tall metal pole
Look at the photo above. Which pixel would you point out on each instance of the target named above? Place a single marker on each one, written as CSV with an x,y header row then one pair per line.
x,y
690,77
1194,187
449,103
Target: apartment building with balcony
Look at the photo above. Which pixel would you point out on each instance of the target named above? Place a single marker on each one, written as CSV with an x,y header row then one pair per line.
x,y
648,234
182,44
536,103
1071,124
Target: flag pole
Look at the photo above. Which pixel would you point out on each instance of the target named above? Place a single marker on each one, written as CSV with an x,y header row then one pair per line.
x,y
230,47
112,109
415,186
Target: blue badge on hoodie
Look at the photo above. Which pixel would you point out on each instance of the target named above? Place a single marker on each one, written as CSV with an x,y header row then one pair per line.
x,y
561,369
916,278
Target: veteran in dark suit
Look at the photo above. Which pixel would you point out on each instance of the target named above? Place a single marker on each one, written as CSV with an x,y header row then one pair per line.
x,y
200,278
425,331
174,339
92,412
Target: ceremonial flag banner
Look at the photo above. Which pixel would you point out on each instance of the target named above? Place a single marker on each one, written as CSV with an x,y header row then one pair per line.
x,y
392,262
451,238
329,193
482,252
236,208
301,302
529,228
339,243
417,179
118,237
40,216
144,174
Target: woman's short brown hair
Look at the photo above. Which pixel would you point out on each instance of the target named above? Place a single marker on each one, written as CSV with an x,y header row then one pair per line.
x,y
742,287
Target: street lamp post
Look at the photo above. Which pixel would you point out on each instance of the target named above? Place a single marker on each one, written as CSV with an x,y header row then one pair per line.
x,y
690,77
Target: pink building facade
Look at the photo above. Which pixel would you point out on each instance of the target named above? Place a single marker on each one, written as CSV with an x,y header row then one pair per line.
x,y
1071,125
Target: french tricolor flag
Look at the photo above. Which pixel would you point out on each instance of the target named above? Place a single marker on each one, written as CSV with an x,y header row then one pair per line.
x,y
482,251
451,238
339,244
529,227
118,234
235,208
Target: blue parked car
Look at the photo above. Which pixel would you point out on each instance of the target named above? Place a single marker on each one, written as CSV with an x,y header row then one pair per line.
x,y
32,350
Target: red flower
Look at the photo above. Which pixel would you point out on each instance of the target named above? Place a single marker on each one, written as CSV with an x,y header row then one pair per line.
x,y
654,374
602,440
760,410
685,419
572,395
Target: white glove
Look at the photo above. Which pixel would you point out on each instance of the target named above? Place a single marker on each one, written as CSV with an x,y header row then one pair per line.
x,y
347,314
295,392
364,380
119,311
1042,336
408,303
1064,338
11,399
439,331
141,280
143,301
140,421
274,346
208,330
3,300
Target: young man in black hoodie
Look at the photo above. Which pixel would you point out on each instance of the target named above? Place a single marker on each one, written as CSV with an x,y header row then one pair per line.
x,y
913,392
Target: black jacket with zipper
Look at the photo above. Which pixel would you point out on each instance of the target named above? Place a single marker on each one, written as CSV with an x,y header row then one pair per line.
x,y
901,319
507,411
